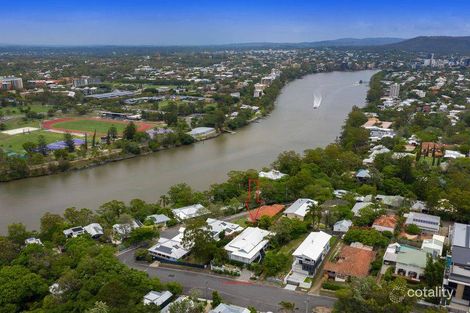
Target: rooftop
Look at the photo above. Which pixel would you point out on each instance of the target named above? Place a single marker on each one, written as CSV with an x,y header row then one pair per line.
x,y
312,247
351,261
265,210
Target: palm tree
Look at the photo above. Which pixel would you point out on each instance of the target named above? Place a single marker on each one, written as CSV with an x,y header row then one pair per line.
x,y
164,200
314,211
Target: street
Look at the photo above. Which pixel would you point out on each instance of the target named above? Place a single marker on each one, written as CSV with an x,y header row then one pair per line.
x,y
262,297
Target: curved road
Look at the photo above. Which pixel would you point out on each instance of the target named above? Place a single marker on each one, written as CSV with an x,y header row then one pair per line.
x,y
262,297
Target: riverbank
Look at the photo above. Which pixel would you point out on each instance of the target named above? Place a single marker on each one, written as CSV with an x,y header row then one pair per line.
x,y
293,125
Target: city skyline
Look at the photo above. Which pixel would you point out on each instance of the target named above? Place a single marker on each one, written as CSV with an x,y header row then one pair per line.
x,y
208,22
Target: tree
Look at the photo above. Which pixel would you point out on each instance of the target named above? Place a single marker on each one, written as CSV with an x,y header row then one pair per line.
x,y
8,251
434,272
287,306
130,131
113,133
185,306
99,307
17,233
412,229
30,147
275,263
19,287
365,295
51,226
93,139
68,139
79,217
142,234
216,299
198,237
42,145
315,213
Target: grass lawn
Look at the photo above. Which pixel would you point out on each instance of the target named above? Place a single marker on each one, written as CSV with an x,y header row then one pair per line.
x,y
19,122
242,221
292,245
15,142
38,108
90,126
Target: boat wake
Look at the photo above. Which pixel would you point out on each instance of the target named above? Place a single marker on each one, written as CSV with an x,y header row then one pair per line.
x,y
317,99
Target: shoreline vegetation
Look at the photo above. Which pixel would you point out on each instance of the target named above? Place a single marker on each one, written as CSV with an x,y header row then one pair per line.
x,y
18,168
315,175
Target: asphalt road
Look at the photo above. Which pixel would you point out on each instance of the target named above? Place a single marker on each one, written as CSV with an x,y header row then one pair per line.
x,y
262,297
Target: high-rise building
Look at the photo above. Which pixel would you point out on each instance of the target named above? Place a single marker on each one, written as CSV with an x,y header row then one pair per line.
x,y
394,90
11,83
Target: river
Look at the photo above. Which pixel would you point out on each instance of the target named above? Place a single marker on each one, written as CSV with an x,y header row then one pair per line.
x,y
293,125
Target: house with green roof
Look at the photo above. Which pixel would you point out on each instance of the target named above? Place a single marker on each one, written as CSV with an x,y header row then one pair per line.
x,y
408,261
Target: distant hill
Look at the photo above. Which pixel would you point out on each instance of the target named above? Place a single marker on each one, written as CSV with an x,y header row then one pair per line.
x,y
434,44
354,42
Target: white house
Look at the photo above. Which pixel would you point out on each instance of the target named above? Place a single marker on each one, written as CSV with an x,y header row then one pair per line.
x,y
299,208
161,299
360,205
190,211
33,240
123,230
94,230
342,226
74,232
218,227
309,255
272,174
434,246
248,246
169,249
158,219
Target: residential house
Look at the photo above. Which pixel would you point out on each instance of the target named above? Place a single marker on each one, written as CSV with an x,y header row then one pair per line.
x,y
391,201
342,226
229,308
33,240
158,219
190,211
94,230
265,210
457,272
201,133
160,299
350,262
300,208
311,252
426,222
434,246
249,245
385,223
360,205
74,232
168,249
363,175
272,174
218,227
408,261
123,231
167,308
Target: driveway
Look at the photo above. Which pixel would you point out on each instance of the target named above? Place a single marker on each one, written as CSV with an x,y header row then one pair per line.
x,y
262,297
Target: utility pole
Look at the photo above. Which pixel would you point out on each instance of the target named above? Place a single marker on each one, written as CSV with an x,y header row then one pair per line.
x,y
306,306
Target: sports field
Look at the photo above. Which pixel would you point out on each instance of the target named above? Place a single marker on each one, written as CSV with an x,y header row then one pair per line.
x,y
89,125
15,142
